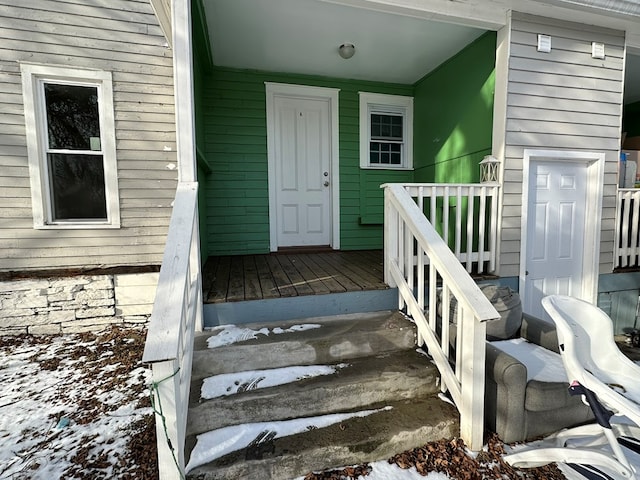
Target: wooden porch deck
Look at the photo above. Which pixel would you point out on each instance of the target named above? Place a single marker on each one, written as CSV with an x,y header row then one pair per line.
x,y
276,275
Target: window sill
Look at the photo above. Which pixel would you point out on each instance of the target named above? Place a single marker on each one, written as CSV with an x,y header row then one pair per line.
x,y
386,167
77,226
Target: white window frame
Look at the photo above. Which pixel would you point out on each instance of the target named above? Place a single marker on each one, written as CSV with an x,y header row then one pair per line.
x,y
33,77
371,103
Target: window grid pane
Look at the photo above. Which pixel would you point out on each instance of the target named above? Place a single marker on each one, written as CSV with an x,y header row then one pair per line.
x,y
77,186
381,153
386,127
73,121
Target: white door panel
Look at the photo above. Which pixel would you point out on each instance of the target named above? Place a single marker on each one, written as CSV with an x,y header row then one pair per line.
x,y
555,229
302,154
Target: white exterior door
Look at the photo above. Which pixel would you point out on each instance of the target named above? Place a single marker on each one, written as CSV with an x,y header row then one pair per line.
x,y
303,181
555,232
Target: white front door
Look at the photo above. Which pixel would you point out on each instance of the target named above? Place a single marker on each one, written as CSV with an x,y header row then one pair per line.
x,y
555,231
303,179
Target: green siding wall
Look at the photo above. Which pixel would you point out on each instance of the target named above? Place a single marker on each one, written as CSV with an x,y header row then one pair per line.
x,y
235,144
453,109
454,115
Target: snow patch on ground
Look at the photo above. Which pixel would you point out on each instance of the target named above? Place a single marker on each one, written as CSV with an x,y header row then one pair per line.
x,y
229,334
232,383
217,443
60,411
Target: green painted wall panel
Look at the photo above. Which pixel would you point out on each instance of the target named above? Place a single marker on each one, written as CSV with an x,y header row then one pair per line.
x,y
453,122
454,115
235,139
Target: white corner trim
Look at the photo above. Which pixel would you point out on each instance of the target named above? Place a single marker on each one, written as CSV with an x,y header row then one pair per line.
x,y
303,91
183,91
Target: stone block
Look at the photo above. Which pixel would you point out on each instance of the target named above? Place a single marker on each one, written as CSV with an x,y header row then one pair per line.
x,y
89,295
11,312
60,297
60,316
95,312
100,283
63,294
70,281
137,319
49,329
136,279
135,295
101,302
21,285
89,324
25,321
30,301
133,310
13,330
65,305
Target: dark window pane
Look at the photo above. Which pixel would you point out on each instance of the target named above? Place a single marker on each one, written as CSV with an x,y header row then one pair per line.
x,y
77,187
386,127
374,152
72,116
395,159
384,158
375,125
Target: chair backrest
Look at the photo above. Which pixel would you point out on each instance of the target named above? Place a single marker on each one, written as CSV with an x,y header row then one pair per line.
x,y
591,356
586,333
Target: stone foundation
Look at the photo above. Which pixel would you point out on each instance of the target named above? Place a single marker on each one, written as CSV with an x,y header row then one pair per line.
x,y
75,304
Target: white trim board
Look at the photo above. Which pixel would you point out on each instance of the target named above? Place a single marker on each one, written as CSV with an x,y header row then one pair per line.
x,y
303,91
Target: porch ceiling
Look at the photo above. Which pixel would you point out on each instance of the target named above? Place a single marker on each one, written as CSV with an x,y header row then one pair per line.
x,y
397,41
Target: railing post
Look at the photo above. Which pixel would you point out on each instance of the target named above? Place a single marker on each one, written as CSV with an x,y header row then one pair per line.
x,y
390,238
472,373
166,388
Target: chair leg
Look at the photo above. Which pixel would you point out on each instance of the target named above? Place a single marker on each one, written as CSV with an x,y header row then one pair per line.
x,y
537,457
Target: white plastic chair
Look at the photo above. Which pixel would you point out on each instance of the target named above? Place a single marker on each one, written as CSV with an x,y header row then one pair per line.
x,y
612,382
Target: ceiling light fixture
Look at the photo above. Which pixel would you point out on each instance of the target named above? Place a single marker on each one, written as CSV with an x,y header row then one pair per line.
x,y
347,50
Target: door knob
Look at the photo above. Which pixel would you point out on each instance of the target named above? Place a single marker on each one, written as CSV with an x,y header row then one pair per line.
x,y
326,183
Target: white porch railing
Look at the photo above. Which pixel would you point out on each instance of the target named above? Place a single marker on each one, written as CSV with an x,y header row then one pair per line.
x,y
627,251
176,315
416,257
466,217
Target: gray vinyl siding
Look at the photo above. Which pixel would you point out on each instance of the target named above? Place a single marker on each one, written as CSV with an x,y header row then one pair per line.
x,y
562,100
124,38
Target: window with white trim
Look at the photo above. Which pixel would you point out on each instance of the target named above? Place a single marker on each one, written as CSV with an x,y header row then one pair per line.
x,y
71,147
386,131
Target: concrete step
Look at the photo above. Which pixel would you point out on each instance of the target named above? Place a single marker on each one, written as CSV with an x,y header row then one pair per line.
x,y
337,339
408,424
361,382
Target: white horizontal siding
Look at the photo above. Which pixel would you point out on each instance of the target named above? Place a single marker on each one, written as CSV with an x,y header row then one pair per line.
x,y
562,100
124,38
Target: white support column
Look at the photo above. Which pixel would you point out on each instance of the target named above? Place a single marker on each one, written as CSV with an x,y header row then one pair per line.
x,y
183,90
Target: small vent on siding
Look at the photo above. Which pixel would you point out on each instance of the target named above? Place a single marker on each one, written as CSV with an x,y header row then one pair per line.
x,y
544,43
